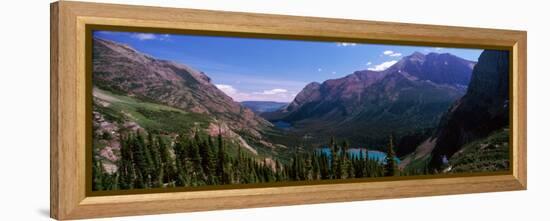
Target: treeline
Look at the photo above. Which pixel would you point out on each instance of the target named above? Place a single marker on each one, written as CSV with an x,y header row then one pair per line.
x,y
147,161
151,163
339,164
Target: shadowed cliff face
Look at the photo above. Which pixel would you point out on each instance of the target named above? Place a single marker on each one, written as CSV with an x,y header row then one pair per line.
x,y
481,111
118,67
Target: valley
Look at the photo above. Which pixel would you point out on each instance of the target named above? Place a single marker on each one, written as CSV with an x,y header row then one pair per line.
x,y
160,124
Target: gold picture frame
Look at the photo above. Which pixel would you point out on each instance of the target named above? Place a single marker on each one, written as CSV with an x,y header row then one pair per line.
x,y
70,197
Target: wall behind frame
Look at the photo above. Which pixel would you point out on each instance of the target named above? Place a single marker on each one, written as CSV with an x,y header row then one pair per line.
x,y
24,92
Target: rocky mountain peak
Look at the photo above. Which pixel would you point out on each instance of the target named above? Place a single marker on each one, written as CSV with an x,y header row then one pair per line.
x,y
118,67
310,93
438,68
416,56
417,90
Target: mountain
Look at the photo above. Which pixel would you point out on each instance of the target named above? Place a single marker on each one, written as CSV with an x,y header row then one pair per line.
x,y
121,69
263,106
409,96
482,111
438,68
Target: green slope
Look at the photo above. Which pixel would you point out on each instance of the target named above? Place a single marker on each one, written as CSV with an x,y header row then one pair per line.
x,y
151,116
484,155
162,119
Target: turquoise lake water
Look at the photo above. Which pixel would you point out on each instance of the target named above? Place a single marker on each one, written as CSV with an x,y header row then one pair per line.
x,y
373,154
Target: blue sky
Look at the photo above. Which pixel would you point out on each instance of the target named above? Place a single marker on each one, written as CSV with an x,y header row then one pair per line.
x,y
267,69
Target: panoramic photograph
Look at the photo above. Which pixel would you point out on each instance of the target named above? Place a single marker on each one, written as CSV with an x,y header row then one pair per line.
x,y
175,110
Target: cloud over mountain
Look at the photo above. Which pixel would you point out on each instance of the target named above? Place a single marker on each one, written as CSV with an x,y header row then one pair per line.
x,y
383,66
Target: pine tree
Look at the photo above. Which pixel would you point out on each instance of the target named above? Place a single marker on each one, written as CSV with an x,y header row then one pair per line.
x,y
316,170
182,174
324,167
98,176
368,170
212,162
220,167
147,162
390,165
338,170
204,151
340,161
196,160
138,147
294,167
360,165
156,164
308,167
347,170
238,166
278,173
333,158
126,168
166,163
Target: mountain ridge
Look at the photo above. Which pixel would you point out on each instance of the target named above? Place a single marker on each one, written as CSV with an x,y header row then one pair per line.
x,y
119,67
440,68
398,96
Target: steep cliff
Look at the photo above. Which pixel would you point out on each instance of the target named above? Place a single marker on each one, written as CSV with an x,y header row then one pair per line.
x,y
483,110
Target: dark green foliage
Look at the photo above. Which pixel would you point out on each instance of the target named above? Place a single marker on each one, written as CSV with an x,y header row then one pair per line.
x,y
126,169
98,174
407,143
483,155
142,161
221,172
334,158
208,162
181,153
390,168
101,179
197,160
319,165
324,166
170,121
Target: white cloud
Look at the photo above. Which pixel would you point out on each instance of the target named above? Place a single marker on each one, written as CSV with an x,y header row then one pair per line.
x,y
149,36
319,69
144,36
345,44
274,91
228,89
391,53
434,50
106,32
232,92
369,63
276,94
165,37
259,81
383,66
